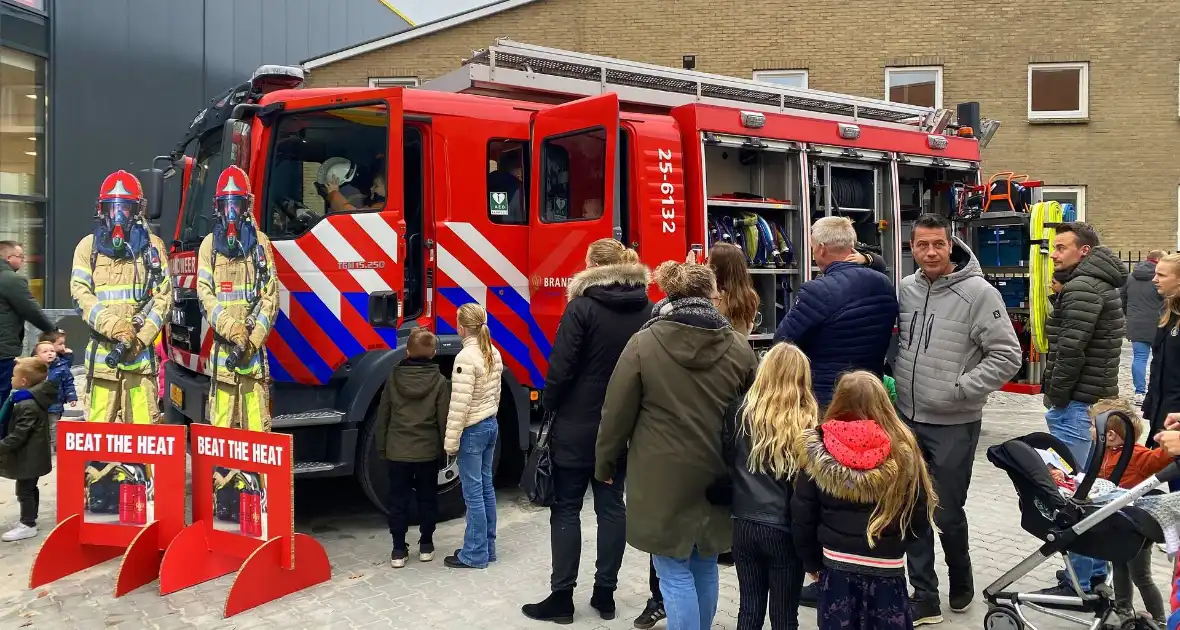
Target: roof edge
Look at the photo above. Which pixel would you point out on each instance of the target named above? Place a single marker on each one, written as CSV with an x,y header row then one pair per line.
x,y
415,32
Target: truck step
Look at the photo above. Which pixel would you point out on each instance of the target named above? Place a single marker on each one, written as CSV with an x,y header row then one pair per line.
x,y
313,418
315,468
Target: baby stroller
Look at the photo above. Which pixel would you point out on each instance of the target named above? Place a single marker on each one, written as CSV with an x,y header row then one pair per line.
x,y
1114,531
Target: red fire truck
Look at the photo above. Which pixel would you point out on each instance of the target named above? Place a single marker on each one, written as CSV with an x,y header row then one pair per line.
x,y
494,179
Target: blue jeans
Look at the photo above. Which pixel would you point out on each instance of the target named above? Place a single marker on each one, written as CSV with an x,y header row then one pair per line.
x,y
1071,425
689,587
477,445
1141,356
6,366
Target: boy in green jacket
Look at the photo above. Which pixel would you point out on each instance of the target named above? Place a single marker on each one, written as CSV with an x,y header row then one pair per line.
x,y
411,423
24,451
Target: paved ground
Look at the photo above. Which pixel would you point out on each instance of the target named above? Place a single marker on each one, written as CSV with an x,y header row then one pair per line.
x,y
364,592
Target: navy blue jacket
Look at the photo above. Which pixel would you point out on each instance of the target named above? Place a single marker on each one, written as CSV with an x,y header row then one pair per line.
x,y
59,372
842,321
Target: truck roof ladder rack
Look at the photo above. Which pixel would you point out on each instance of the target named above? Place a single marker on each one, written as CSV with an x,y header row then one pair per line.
x,y
509,67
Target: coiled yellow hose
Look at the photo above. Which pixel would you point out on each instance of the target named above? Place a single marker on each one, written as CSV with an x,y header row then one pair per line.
x,y
1040,268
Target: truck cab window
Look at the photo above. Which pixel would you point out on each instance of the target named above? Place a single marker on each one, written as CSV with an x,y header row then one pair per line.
x,y
574,171
208,163
414,179
323,162
508,191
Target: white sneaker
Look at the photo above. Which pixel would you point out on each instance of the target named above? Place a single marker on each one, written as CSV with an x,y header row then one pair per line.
x,y
20,532
1138,400
425,556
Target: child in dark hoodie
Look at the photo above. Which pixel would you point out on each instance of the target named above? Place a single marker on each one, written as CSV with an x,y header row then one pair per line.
x,y
24,450
862,495
411,422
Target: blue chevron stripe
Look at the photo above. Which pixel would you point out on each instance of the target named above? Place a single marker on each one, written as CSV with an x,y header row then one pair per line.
x,y
332,326
277,372
444,328
514,301
500,334
303,351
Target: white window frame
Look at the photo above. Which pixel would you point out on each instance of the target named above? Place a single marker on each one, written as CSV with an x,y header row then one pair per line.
x,y
1083,88
763,75
937,70
375,82
1079,191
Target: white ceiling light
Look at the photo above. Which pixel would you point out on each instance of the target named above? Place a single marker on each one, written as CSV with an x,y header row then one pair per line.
x,y
32,153
33,138
32,96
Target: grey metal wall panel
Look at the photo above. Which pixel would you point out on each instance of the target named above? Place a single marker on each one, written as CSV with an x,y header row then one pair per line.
x,y
127,76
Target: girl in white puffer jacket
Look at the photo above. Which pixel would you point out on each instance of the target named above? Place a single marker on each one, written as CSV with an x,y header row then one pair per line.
x,y
471,434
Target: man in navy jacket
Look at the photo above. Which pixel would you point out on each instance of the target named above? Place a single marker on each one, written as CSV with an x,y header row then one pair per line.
x,y
844,319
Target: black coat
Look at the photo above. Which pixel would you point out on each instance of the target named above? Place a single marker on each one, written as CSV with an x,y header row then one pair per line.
x,y
1163,388
1085,333
24,451
17,306
1142,303
757,497
607,305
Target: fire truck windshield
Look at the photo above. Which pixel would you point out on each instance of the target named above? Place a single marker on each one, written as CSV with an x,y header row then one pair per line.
x,y
207,165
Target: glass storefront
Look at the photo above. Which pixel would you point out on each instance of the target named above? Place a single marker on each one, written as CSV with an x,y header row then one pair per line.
x,y
23,117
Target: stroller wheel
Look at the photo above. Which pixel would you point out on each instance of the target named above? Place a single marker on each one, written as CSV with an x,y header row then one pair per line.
x,y
1002,617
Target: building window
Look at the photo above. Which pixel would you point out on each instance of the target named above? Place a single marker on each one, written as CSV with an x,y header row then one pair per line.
x,y
507,191
574,170
789,78
1075,195
392,82
1058,91
915,86
22,160
22,124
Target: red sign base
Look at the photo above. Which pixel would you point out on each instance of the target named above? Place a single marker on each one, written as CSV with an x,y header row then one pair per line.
x,y
191,560
263,579
141,563
63,553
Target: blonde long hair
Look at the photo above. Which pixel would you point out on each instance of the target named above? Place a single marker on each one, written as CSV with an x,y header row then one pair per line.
x,y
474,319
778,408
1171,302
861,395
609,251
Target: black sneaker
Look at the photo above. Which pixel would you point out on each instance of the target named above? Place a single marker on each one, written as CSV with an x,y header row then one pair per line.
x,y
1095,581
397,559
652,614
960,602
455,563
558,608
809,596
925,611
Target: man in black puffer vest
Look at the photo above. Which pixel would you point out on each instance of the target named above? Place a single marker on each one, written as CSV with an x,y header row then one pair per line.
x,y
1085,334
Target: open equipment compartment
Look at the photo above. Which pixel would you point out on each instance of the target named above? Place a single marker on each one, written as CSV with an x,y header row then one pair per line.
x,y
753,190
928,185
857,184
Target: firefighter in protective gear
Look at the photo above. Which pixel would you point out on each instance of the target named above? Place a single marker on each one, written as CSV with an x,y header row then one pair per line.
x,y
239,297
121,288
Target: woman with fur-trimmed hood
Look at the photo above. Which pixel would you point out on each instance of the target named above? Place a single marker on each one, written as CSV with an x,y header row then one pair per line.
x,y
863,494
607,304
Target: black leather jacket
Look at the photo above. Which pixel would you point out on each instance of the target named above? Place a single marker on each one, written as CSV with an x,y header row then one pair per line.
x,y
757,497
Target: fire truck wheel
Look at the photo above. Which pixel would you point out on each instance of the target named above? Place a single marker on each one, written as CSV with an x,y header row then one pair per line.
x,y
373,475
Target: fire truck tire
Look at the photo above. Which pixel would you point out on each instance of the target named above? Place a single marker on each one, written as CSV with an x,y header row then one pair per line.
x,y
374,479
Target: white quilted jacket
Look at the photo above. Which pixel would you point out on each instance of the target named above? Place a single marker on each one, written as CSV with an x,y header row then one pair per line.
x,y
475,392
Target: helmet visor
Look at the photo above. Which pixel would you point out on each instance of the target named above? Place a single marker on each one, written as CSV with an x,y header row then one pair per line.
x,y
232,208
118,211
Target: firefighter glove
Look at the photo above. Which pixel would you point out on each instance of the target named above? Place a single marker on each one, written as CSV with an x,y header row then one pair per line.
x,y
123,330
238,335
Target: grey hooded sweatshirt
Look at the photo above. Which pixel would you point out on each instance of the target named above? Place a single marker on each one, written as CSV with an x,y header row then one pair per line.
x,y
956,344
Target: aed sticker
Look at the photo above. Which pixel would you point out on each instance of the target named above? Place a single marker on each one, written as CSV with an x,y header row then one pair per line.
x,y
498,204
227,286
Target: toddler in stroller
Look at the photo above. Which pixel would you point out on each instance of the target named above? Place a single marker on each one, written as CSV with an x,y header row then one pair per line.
x,y
1105,527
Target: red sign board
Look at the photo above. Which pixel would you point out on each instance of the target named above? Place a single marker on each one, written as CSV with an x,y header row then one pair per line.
x,y
120,488
243,520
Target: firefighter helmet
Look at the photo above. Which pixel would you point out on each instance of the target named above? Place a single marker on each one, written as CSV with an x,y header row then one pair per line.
x,y
232,203
120,205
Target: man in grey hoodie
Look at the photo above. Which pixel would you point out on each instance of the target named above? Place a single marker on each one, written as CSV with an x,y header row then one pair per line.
x,y
956,347
1142,304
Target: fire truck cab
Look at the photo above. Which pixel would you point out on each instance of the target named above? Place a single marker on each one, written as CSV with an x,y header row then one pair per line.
x,y
390,208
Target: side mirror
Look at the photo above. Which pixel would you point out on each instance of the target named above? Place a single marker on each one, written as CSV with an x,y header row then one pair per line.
x,y
153,180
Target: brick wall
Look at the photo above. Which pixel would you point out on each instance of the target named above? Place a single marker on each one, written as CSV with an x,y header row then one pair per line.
x,y
1125,156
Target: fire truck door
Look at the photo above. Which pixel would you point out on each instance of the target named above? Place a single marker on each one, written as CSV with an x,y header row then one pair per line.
x,y
572,182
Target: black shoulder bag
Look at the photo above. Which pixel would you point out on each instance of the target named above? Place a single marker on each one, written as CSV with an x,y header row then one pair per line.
x,y
537,480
